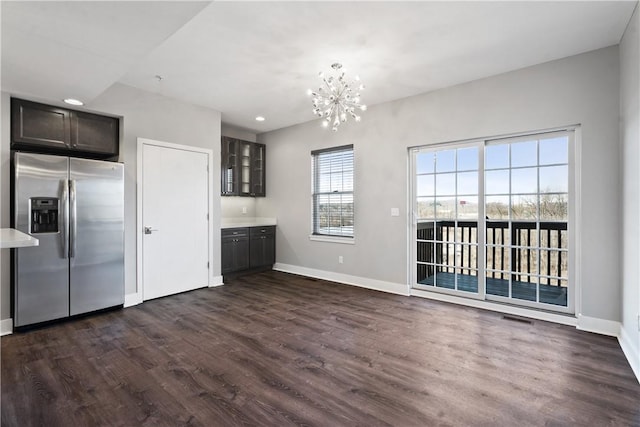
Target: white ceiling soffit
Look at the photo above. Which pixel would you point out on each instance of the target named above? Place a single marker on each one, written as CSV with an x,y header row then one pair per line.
x,y
77,49
258,58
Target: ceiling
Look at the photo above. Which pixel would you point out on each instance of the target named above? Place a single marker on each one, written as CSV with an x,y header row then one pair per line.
x,y
258,58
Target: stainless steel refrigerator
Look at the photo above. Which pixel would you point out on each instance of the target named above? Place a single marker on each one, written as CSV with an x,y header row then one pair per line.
x,y
75,208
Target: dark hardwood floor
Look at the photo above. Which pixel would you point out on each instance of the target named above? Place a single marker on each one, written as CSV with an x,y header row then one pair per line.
x,y
275,350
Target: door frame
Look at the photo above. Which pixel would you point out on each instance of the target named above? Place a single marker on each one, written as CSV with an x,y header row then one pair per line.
x,y
139,206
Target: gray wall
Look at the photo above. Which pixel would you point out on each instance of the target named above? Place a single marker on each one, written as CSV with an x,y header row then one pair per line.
x,y
149,115
145,115
232,207
583,89
238,133
630,139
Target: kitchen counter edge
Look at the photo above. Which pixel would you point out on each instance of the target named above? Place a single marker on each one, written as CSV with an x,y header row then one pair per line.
x,y
247,222
12,238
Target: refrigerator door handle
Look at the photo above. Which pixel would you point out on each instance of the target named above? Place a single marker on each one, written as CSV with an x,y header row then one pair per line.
x,y
65,218
72,220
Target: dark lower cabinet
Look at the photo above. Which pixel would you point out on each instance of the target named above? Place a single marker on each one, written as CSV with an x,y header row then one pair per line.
x,y
247,249
262,246
235,249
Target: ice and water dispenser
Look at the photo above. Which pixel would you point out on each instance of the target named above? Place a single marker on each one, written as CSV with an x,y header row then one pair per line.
x,y
44,215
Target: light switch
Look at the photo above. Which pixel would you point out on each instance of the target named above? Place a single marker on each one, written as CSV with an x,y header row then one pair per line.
x,y
395,212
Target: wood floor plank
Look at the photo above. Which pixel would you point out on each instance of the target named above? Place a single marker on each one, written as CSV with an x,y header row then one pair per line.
x,y
275,349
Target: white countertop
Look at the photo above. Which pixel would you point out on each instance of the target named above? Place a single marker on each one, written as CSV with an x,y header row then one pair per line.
x,y
246,222
12,238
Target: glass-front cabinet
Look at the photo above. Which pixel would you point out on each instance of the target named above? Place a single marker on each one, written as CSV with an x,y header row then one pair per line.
x,y
257,170
243,168
229,167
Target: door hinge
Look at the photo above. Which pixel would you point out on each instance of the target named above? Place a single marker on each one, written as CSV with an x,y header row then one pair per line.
x,y
207,265
207,217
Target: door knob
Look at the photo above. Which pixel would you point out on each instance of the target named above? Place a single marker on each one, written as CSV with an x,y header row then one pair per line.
x,y
149,230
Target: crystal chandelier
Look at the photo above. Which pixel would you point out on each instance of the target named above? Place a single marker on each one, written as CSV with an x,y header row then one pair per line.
x,y
337,98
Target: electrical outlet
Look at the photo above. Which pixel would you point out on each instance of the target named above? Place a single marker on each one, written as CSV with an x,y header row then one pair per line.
x,y
340,259
395,212
244,210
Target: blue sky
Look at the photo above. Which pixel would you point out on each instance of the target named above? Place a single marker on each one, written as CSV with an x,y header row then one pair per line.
x,y
544,159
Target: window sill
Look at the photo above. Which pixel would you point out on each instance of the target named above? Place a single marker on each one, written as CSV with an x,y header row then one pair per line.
x,y
333,239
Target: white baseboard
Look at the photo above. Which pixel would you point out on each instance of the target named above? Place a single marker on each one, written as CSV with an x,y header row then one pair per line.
x,y
136,298
347,279
6,327
630,351
599,326
562,319
216,281
132,299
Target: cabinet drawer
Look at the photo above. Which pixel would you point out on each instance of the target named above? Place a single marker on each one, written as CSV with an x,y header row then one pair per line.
x,y
235,232
269,230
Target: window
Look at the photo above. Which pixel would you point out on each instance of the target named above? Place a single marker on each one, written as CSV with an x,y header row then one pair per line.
x,y
332,172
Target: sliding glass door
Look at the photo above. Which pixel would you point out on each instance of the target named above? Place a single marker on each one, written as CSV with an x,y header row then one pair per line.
x,y
447,211
492,219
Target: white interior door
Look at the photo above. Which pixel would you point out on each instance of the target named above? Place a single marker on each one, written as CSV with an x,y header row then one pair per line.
x,y
175,208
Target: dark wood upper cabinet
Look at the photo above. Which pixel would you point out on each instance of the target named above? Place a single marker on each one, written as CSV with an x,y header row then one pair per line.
x,y
229,167
243,168
36,124
94,133
258,183
244,159
50,129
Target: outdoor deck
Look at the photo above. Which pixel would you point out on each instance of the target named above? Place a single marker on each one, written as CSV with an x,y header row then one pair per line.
x,y
533,255
549,294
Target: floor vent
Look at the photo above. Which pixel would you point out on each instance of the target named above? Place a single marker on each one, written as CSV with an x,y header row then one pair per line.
x,y
517,319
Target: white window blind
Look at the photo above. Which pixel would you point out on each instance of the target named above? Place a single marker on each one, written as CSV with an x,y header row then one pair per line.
x,y
332,171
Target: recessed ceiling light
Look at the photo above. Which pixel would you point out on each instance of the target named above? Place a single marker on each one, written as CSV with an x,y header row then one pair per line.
x,y
73,101
260,119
